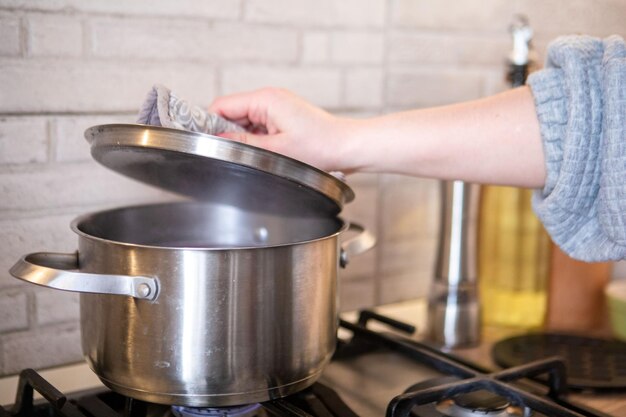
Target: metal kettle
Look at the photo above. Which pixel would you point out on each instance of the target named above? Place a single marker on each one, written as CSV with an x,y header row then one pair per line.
x,y
453,305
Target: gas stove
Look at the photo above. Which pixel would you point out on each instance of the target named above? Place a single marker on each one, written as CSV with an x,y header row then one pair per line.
x,y
373,373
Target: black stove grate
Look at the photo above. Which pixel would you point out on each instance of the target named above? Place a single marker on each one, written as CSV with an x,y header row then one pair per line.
x,y
591,363
317,400
471,377
321,401
29,382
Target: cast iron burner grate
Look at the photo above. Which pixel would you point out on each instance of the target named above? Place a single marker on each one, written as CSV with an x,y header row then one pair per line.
x,y
317,400
591,363
470,378
465,386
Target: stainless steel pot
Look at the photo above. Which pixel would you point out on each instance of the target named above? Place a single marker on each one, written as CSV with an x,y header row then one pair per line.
x,y
201,304
222,302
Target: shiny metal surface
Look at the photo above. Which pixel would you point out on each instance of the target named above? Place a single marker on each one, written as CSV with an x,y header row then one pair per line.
x,y
368,382
357,245
246,310
213,169
454,309
60,271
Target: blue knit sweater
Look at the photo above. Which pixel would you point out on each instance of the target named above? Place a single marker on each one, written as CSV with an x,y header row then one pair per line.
x,y
580,99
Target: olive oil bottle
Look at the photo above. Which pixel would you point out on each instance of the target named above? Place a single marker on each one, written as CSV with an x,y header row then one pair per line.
x,y
514,249
513,260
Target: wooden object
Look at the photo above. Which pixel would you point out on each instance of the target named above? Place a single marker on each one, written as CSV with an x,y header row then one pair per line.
x,y
576,301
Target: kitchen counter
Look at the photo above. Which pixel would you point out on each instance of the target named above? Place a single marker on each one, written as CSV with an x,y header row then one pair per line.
x,y
414,312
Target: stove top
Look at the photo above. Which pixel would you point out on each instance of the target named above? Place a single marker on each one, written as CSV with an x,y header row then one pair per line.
x,y
374,373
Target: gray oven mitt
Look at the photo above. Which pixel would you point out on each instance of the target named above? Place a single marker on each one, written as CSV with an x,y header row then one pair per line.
x,y
164,108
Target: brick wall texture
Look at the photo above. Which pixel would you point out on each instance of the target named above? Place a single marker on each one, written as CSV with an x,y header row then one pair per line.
x,y
66,65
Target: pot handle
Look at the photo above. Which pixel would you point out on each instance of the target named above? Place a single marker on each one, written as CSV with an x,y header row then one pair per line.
x,y
61,271
357,245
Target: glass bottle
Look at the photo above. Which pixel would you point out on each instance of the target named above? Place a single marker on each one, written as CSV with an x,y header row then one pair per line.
x,y
514,249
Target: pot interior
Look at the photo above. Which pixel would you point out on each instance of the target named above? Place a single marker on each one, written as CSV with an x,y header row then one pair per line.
x,y
203,225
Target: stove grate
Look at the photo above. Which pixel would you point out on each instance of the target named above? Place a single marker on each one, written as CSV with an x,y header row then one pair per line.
x,y
321,401
471,378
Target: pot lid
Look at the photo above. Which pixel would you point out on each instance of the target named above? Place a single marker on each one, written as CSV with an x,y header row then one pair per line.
x,y
218,170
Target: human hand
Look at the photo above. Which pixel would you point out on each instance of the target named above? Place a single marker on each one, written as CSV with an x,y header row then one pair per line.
x,y
279,121
495,140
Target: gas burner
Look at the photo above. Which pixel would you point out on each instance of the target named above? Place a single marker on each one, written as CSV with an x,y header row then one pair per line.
x,y
249,410
480,403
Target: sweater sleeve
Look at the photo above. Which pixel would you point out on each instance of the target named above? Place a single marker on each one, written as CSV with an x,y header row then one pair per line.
x,y
580,98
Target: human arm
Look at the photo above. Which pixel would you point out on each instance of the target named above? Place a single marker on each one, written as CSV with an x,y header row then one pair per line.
x,y
566,138
492,140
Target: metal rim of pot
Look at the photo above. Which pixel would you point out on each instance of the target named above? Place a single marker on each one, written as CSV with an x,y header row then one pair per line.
x,y
62,270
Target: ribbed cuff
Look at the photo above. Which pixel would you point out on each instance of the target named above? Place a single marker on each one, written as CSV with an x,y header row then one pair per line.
x,y
548,91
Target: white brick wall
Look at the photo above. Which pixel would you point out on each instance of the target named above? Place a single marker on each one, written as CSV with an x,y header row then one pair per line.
x,y
54,36
364,88
10,35
315,47
211,9
357,47
70,185
325,13
68,64
435,48
23,140
320,85
411,87
488,15
47,346
598,18
56,306
13,310
70,85
197,41
49,233
406,216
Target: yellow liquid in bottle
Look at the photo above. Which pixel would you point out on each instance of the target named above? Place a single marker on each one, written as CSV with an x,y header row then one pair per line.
x,y
513,259
526,309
